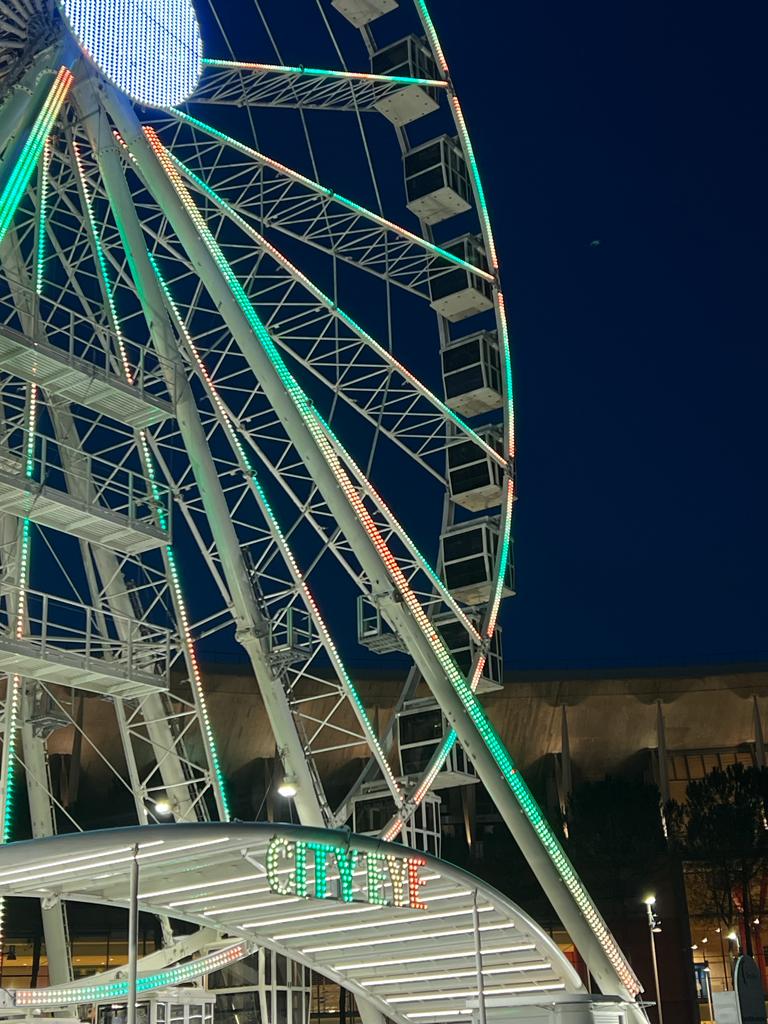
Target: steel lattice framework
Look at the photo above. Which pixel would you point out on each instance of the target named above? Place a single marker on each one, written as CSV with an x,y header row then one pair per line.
x,y
216,367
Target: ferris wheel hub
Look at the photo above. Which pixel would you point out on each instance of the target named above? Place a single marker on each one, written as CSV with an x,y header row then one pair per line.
x,y
150,50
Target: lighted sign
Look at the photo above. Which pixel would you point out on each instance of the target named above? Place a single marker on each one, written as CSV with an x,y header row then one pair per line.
x,y
149,49
344,873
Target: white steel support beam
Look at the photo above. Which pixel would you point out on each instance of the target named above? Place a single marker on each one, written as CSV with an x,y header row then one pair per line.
x,y
399,605
106,563
252,630
34,755
43,824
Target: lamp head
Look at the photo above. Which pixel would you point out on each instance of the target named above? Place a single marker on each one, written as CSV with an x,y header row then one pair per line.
x,y
288,787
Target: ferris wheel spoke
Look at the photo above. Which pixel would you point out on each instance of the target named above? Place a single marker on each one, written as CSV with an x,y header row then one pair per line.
x,y
274,85
292,203
332,352
347,689
114,593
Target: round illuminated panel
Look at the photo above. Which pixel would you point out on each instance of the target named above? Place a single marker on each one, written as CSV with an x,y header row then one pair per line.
x,y
150,49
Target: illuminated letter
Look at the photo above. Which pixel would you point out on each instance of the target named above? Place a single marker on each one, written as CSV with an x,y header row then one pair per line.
x,y
375,878
321,851
398,870
347,862
279,849
415,883
301,868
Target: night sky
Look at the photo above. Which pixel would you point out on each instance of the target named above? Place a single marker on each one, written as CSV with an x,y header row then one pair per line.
x,y
623,152
640,362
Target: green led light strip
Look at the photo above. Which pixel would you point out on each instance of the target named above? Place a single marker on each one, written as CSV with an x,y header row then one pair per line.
x,y
288,557
355,76
14,687
22,170
162,517
329,193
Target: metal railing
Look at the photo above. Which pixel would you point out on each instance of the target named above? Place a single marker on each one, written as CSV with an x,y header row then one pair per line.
x,y
73,336
91,479
61,630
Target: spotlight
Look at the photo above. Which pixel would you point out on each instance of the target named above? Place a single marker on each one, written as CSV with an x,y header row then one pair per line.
x,y
288,787
163,806
649,900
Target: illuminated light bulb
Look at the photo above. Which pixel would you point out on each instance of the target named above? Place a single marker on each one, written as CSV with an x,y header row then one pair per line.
x,y
163,806
288,787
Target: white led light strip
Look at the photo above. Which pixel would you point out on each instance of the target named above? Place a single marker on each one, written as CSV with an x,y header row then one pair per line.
x,y
62,995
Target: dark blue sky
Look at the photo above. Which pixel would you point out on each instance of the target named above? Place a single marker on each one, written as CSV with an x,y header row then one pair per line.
x,y
640,362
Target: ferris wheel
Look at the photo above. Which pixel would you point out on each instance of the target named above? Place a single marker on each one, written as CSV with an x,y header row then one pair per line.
x,y
256,386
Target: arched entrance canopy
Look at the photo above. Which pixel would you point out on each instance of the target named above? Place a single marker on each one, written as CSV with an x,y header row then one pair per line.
x,y
391,924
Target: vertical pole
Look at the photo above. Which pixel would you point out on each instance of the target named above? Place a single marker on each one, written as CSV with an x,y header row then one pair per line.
x,y
708,980
759,741
722,956
651,923
661,734
478,959
133,936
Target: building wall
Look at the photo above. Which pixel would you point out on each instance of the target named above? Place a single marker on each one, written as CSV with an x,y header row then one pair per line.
x,y
611,719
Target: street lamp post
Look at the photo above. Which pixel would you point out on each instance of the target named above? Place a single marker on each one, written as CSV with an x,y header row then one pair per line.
x,y
654,926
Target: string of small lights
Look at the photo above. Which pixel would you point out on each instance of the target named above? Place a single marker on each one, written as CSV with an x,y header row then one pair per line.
x,y
160,511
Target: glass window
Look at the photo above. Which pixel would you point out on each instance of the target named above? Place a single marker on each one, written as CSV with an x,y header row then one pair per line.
x,y
466,573
425,725
457,357
448,283
421,159
462,544
464,382
416,759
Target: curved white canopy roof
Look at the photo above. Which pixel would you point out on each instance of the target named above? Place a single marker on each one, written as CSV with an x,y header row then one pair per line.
x,y
414,964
